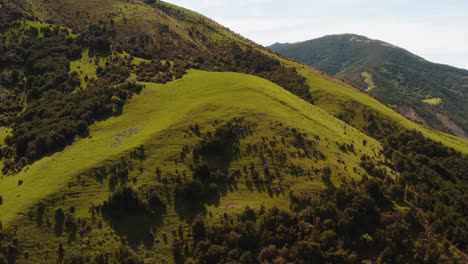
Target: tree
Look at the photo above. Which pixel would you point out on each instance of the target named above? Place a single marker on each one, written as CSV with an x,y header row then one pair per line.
x,y
267,254
177,247
198,229
307,252
60,253
202,172
247,258
156,203
215,254
190,191
59,221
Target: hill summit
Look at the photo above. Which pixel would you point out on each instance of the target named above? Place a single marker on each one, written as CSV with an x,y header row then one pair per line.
x,y
429,93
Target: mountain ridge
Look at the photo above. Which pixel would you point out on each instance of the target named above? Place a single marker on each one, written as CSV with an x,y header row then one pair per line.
x,y
395,71
384,43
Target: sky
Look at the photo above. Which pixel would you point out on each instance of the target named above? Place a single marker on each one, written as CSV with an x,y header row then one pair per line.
x,y
434,30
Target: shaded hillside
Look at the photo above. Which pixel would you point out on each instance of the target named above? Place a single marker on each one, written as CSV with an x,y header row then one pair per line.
x,y
141,132
429,93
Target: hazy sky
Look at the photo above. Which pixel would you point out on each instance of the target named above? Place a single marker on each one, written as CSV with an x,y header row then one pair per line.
x,y
434,29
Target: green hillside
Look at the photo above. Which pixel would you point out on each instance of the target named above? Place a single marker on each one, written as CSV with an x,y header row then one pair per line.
x,y
141,132
432,94
161,108
159,119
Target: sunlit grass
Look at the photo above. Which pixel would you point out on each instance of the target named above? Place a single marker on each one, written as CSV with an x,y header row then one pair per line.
x,y
433,101
198,97
368,80
332,95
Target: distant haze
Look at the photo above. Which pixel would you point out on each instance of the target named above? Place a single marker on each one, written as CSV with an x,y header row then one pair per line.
x,y
435,30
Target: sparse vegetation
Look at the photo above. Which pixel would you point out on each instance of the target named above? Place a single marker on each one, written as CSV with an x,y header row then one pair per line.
x,y
146,146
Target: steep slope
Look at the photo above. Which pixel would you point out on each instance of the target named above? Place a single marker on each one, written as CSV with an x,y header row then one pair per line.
x,y
50,55
121,150
160,118
161,108
428,93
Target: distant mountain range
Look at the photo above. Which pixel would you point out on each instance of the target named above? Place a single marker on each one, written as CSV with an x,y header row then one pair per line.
x,y
429,93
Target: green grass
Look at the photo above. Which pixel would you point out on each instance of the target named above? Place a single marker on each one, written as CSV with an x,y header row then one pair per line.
x,y
4,132
331,95
335,93
433,101
199,96
40,25
159,118
368,79
36,24
86,66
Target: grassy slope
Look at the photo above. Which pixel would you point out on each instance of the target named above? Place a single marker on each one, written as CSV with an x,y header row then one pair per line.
x,y
152,118
198,96
85,67
332,95
3,134
159,118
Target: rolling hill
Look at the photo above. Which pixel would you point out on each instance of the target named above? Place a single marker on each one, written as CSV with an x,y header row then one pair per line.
x,y
429,93
141,132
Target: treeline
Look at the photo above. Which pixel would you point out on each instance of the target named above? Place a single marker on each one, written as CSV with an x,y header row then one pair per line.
x,y
32,66
433,178
53,122
37,82
349,224
199,50
231,56
57,110
9,16
98,38
160,72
